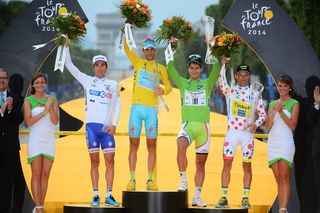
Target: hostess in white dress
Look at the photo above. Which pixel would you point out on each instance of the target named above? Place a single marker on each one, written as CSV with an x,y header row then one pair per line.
x,y
280,140
41,136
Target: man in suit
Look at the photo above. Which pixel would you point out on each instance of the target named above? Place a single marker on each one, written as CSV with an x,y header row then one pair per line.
x,y
10,118
313,118
303,160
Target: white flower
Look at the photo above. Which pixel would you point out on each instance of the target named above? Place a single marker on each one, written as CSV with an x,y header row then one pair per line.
x,y
138,6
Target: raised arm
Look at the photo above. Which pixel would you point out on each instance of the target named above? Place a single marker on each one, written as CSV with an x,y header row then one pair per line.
x,y
213,77
223,83
75,72
313,112
174,75
133,57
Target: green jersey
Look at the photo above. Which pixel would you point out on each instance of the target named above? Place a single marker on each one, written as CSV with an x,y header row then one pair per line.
x,y
195,94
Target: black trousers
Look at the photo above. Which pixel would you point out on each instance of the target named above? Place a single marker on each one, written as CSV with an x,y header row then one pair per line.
x,y
12,183
316,170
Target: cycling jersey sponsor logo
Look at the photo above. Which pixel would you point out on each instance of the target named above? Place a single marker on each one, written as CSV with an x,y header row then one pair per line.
x,y
150,130
199,86
101,94
241,109
195,98
147,80
241,113
107,88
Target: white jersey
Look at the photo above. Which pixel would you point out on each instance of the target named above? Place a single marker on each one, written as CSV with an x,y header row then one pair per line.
x,y
240,104
102,100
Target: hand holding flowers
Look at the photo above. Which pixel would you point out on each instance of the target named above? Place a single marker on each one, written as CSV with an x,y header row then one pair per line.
x,y
177,27
136,13
71,24
225,44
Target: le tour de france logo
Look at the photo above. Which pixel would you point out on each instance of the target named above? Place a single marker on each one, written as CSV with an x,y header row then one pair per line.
x,y
255,20
46,12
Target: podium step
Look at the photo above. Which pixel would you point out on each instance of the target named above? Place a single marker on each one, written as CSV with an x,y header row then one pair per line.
x,y
150,202
210,209
155,202
86,208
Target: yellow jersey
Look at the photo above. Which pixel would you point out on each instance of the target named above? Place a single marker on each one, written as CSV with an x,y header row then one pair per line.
x,y
146,77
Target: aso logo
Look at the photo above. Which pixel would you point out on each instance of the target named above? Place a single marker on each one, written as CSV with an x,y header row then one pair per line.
x,y
256,19
46,12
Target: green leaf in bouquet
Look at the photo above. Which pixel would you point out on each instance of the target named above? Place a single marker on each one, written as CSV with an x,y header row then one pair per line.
x,y
135,12
176,27
70,24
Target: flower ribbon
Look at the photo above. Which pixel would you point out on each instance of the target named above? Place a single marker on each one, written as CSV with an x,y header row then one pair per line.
x,y
168,53
39,46
60,59
129,37
61,54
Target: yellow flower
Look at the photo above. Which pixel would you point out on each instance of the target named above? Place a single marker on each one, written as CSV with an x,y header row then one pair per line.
x,y
220,43
224,37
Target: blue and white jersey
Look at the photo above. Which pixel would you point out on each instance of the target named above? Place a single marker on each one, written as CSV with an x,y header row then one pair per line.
x,y
102,100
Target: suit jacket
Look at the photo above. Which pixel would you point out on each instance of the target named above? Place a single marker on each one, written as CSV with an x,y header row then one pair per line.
x,y
9,126
313,118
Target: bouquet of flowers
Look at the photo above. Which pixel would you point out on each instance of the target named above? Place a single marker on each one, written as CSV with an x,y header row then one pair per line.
x,y
71,24
135,12
177,27
225,44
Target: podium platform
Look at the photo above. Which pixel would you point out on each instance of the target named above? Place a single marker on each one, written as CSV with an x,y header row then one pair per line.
x,y
211,209
151,202
87,208
155,202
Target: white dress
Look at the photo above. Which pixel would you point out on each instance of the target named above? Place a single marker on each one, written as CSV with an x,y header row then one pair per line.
x,y
41,137
280,141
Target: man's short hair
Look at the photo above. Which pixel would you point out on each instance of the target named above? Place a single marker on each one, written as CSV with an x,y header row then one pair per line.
x,y
4,70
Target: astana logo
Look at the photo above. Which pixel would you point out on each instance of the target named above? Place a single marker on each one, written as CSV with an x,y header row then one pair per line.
x,y
256,19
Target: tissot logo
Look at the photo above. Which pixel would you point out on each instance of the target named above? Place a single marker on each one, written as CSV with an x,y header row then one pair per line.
x,y
256,19
45,13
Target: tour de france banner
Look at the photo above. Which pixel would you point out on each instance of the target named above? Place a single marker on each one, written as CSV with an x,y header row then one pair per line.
x,y
275,38
29,38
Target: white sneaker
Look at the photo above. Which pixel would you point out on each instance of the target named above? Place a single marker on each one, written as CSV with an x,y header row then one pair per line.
x,y
183,186
197,201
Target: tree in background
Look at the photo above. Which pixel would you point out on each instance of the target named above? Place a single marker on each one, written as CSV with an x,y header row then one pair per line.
x,y
306,14
8,11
